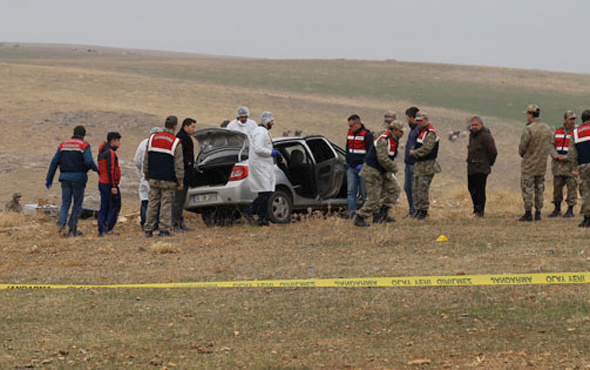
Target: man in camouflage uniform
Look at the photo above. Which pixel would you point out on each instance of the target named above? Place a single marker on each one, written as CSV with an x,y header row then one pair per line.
x,y
425,151
379,175
535,145
562,168
14,205
579,157
163,167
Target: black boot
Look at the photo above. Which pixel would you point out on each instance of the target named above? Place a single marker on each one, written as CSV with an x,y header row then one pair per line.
x,y
586,222
360,221
556,212
537,215
421,215
377,219
526,217
570,212
73,233
385,215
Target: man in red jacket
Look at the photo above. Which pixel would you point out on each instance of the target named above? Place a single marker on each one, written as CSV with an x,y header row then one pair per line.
x,y
108,184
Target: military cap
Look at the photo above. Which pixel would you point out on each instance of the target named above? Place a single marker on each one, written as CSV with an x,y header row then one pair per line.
x,y
17,195
390,116
532,108
396,125
569,114
421,115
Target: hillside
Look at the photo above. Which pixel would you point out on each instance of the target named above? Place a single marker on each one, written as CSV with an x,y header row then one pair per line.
x,y
48,90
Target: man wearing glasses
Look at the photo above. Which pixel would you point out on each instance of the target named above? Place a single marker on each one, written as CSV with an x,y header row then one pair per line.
x,y
562,168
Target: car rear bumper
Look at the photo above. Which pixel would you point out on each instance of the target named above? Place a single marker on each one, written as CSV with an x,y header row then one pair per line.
x,y
233,193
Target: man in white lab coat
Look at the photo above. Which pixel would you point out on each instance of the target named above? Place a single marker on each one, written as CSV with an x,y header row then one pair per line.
x,y
261,162
144,185
242,123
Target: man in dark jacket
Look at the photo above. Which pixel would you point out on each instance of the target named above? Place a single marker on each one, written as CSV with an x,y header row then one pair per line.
x,y
164,169
359,141
74,159
481,155
108,184
189,126
409,160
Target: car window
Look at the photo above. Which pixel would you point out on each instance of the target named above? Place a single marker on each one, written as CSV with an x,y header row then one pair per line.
x,y
210,139
301,154
219,141
320,149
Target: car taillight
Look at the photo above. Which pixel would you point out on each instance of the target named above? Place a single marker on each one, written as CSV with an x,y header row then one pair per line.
x,y
238,173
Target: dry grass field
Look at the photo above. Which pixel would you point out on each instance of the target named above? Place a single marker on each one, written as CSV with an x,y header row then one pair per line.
x,y
46,92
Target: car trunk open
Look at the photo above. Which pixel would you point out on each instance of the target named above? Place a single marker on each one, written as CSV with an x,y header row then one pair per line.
x,y
219,150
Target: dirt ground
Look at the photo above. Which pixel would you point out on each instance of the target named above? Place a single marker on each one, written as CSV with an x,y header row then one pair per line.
x,y
509,327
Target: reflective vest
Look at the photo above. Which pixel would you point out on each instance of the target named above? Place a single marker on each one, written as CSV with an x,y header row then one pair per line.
x,y
161,148
72,155
392,144
562,140
420,141
356,149
582,139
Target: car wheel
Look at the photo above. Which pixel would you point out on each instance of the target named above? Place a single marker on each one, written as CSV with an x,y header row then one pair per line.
x,y
221,216
209,217
280,207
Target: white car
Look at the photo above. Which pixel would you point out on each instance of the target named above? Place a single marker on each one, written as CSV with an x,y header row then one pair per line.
x,y
312,175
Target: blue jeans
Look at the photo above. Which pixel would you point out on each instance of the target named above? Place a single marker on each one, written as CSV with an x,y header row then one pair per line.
x,y
408,185
143,211
110,205
69,190
355,184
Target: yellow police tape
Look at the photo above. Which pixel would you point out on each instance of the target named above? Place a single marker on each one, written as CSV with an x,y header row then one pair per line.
x,y
383,282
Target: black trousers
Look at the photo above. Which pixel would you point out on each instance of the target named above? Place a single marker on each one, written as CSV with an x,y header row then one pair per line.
x,y
476,184
178,207
260,205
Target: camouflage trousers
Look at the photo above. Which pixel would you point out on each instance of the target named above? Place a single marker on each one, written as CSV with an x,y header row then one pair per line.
x,y
532,187
585,188
421,190
559,181
160,199
383,189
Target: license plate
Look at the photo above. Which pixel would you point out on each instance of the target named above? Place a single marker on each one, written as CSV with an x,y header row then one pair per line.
x,y
202,198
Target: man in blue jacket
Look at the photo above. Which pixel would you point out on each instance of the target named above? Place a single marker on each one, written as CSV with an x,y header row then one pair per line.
x,y
409,160
74,159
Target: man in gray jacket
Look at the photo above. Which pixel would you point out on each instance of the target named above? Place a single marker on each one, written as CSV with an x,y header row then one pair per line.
x,y
535,145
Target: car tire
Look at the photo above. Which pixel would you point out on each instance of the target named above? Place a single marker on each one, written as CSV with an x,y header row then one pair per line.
x,y
220,216
280,207
209,217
